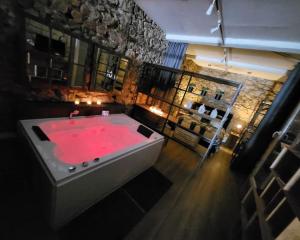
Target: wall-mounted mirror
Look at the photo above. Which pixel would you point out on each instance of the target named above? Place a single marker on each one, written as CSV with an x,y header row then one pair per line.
x,y
60,47
37,52
57,58
79,63
110,70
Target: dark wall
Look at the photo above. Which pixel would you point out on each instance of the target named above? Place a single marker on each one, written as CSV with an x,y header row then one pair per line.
x,y
283,105
13,92
12,60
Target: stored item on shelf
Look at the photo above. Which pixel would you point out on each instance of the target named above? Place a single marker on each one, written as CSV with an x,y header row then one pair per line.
x,y
193,125
215,123
214,113
204,91
201,109
191,88
188,105
180,119
202,130
219,94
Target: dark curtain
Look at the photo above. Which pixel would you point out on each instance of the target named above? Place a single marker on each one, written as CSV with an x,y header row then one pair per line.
x,y
173,58
174,55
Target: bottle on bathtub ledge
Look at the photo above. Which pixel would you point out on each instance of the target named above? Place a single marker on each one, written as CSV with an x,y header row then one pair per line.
x,y
105,113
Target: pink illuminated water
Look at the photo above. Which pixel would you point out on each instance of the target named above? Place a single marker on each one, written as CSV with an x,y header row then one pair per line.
x,y
85,139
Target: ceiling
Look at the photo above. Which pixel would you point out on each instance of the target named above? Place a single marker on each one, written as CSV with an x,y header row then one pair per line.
x,y
271,25
262,64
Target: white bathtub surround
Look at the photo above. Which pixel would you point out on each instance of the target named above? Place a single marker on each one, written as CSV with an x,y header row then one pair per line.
x,y
66,190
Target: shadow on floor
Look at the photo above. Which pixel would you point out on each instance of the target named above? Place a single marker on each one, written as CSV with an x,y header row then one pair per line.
x,y
110,219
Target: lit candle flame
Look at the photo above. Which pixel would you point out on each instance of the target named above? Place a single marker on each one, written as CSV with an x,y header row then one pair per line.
x,y
156,110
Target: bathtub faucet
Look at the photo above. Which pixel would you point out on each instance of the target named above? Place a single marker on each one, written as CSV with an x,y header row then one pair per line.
x,y
75,112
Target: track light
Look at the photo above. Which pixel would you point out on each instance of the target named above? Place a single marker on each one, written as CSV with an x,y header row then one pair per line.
x,y
219,23
210,8
213,30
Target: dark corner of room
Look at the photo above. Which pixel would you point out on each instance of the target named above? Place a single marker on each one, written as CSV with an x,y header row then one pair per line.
x,y
135,119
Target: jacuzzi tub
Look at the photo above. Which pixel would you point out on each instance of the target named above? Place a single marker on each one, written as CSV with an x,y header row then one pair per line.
x,y
81,160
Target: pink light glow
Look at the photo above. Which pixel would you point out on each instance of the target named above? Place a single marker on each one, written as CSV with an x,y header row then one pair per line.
x,y
84,139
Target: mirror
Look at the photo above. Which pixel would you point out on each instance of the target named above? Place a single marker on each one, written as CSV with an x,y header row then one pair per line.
x,y
37,48
79,63
57,58
110,70
60,46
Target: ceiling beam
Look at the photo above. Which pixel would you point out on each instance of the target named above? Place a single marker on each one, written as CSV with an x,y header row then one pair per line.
x,y
256,44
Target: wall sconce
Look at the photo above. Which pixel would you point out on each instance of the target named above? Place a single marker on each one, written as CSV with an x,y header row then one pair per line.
x,y
89,102
77,101
98,102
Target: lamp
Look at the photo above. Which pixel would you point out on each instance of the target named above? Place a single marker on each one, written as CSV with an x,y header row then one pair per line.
x,y
210,8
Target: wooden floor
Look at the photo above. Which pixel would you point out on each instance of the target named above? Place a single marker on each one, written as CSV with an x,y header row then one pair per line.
x,y
203,203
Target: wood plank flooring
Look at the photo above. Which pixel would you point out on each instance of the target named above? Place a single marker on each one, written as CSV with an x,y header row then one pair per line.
x,y
203,203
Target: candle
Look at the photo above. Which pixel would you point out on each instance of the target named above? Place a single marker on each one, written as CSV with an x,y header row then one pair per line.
x,y
77,101
28,57
98,102
35,70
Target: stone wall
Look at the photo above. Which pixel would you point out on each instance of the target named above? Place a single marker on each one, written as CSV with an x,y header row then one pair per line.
x,y
253,92
116,24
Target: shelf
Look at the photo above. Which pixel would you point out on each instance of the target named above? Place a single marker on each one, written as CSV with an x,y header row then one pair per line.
x,y
252,229
285,165
183,108
248,204
198,114
209,100
277,176
280,218
171,86
265,230
270,191
292,192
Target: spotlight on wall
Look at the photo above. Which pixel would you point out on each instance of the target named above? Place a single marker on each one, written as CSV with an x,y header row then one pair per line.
x,y
210,8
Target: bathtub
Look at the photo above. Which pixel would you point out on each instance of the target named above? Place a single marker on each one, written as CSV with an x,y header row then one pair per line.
x,y
79,161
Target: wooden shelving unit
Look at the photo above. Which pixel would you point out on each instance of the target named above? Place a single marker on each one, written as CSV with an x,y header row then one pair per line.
x,y
275,187
171,90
